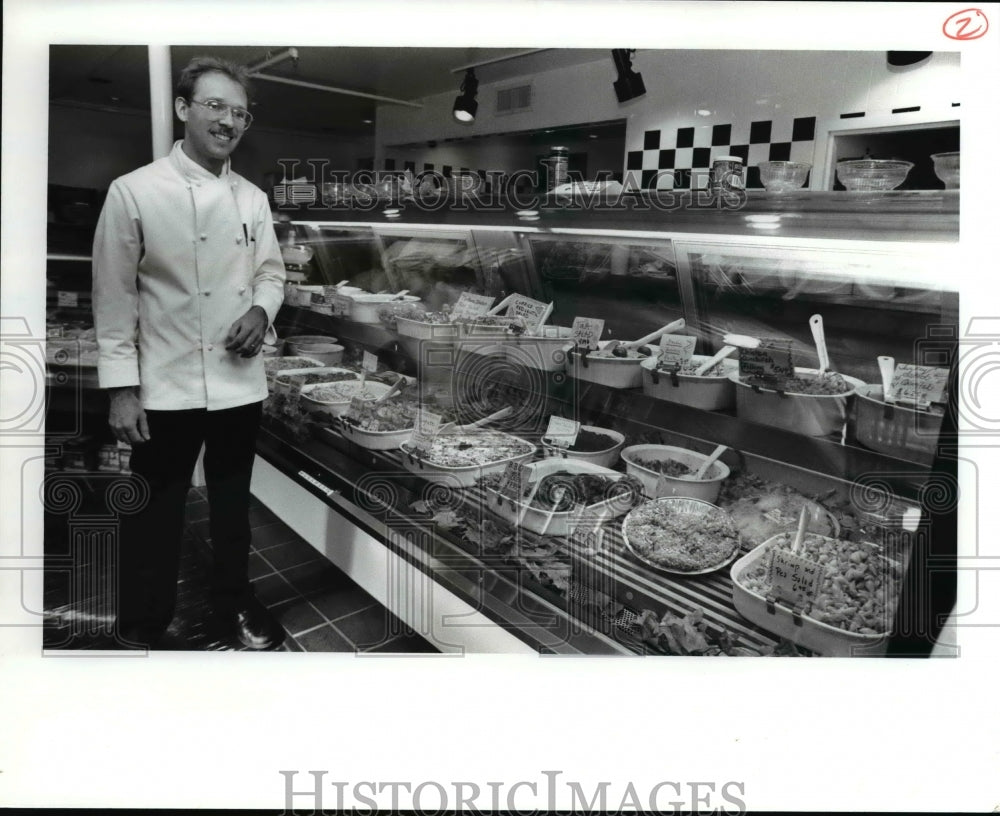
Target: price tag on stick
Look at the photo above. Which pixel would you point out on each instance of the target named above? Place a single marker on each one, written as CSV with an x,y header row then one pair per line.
x,y
469,306
771,362
355,409
513,481
425,430
918,385
793,578
676,348
369,362
562,432
587,331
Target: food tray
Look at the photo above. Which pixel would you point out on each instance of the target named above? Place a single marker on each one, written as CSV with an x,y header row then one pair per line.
x,y
282,379
709,393
706,489
895,429
464,475
681,509
364,308
335,409
604,458
421,330
544,522
822,638
613,372
374,440
273,365
808,414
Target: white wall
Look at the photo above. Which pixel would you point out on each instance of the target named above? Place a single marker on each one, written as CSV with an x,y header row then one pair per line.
x,y
734,87
90,148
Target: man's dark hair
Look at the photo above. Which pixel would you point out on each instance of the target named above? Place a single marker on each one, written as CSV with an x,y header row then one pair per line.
x,y
205,65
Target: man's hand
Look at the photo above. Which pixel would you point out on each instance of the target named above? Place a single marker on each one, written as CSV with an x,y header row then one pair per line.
x,y
246,335
126,417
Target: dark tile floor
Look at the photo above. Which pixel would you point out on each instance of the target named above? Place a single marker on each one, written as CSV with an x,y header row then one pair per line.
x,y
319,606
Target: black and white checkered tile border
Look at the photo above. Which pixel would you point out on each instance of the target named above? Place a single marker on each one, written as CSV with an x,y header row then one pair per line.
x,y
681,158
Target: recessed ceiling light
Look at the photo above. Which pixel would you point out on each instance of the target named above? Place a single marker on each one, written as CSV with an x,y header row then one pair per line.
x,y
593,135
366,121
703,112
116,99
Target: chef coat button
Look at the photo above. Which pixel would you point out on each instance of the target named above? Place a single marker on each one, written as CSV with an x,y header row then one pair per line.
x,y
206,293
203,236
239,240
209,347
242,289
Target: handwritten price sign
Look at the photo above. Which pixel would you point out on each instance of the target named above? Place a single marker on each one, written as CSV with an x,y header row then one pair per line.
x,y
587,331
425,430
793,578
530,311
369,362
469,306
771,361
918,385
676,348
561,431
513,480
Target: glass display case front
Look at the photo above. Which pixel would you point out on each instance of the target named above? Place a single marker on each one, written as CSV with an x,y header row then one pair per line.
x,y
564,388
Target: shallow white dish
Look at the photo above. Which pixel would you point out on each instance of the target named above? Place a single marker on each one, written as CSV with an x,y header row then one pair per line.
x,y
545,522
707,392
465,475
681,509
613,372
802,630
603,458
705,489
336,407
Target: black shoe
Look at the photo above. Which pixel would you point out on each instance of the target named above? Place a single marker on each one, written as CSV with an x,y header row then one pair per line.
x,y
251,624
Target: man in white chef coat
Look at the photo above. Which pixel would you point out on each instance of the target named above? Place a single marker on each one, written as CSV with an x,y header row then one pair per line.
x,y
188,278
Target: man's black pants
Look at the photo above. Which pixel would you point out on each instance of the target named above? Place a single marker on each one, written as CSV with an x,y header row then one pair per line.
x,y
150,540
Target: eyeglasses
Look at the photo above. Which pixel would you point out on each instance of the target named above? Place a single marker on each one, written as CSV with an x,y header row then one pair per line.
x,y
218,110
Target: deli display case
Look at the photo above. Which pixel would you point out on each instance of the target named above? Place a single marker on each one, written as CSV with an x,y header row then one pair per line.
x,y
539,390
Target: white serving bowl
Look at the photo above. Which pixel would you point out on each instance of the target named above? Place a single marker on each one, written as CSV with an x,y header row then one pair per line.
x,y
364,307
706,489
613,372
283,378
336,407
808,414
606,458
707,392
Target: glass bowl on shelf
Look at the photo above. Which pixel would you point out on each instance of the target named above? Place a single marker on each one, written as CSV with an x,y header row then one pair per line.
x,y
946,168
783,176
872,175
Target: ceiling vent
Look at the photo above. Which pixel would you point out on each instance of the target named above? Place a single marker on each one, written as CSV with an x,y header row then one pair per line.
x,y
512,100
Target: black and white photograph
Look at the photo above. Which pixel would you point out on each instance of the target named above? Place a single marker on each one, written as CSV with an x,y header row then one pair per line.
x,y
385,380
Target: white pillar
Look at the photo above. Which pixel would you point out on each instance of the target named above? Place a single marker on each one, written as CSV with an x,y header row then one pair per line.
x,y
161,100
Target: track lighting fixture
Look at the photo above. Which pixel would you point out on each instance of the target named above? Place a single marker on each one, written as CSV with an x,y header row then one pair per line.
x,y
465,104
629,84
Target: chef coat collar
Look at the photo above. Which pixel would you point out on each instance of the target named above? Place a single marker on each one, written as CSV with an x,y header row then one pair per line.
x,y
191,170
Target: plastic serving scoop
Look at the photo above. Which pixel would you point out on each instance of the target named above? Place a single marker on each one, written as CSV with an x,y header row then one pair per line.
x,y
741,341
400,382
719,356
400,294
887,368
677,325
816,325
700,472
480,422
